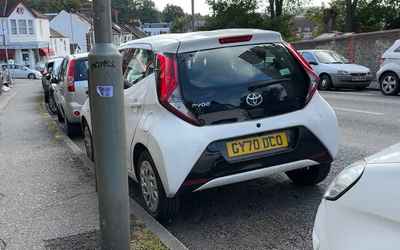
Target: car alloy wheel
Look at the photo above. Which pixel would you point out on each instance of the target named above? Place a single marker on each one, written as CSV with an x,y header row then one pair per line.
x,y
389,84
325,83
148,183
31,76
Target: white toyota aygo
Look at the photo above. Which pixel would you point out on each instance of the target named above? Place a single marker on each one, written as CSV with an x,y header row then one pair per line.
x,y
207,109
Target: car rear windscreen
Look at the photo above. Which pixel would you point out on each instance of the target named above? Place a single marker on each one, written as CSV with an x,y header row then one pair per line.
x,y
240,83
81,70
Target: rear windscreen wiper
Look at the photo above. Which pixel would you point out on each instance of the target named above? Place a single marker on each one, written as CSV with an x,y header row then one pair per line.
x,y
261,84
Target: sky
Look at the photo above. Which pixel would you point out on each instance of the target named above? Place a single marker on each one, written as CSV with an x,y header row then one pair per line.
x,y
201,7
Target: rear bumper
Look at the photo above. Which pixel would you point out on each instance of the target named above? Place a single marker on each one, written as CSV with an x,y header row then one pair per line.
x,y
214,165
69,109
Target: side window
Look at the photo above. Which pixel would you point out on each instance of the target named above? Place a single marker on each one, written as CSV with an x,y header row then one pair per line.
x,y
309,57
139,66
397,50
63,70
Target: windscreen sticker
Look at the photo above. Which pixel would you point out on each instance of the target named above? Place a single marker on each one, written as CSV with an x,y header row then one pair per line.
x,y
105,90
269,59
284,72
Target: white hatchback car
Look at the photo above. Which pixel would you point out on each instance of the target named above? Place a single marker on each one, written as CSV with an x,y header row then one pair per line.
x,y
360,209
212,108
388,74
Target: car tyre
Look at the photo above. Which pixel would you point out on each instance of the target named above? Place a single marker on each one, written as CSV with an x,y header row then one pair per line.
x,y
389,83
46,97
310,175
88,141
325,82
52,105
31,76
60,118
155,200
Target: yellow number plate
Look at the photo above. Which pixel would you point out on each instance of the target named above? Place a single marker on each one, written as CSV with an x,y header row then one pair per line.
x,y
257,144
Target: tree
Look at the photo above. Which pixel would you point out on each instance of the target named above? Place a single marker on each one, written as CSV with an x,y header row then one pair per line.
x,y
351,7
171,13
234,14
144,10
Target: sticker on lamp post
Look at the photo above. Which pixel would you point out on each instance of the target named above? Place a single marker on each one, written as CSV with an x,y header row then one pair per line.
x,y
105,90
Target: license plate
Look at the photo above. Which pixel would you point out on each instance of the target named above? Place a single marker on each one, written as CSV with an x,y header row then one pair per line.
x,y
359,78
257,144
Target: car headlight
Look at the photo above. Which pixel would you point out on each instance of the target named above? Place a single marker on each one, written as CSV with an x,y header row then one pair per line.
x,y
343,72
344,181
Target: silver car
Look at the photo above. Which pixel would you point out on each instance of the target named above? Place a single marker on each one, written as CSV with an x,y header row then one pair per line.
x,y
389,72
21,71
71,92
335,71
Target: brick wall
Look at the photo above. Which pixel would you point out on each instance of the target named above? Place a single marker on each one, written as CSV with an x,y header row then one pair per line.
x,y
363,48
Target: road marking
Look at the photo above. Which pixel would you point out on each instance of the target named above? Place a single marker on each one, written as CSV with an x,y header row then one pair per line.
x,y
349,93
357,111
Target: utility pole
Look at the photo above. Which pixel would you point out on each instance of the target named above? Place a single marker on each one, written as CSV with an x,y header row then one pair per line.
x,y
108,128
193,16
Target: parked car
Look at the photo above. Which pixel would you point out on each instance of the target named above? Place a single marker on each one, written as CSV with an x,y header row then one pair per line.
x,y
71,91
50,75
20,71
389,72
360,209
335,71
241,104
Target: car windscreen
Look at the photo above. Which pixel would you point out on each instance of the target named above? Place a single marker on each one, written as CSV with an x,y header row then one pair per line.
x,y
329,57
220,80
81,70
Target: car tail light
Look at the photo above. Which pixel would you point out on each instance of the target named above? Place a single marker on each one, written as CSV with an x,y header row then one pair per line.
x,y
235,39
314,79
169,93
70,76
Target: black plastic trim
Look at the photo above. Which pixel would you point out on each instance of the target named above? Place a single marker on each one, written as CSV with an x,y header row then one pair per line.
x,y
214,163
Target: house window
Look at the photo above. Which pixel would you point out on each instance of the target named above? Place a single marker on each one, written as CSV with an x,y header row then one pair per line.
x,y
30,27
22,27
13,26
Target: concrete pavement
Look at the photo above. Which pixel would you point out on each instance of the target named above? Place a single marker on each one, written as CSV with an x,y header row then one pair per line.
x,y
44,191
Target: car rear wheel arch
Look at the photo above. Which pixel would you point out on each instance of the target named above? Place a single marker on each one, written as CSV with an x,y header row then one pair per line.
x,y
386,72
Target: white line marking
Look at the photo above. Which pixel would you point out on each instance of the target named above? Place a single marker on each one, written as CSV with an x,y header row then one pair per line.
x,y
349,93
357,111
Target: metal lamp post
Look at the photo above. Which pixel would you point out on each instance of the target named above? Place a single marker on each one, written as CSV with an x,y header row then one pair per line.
x,y
107,116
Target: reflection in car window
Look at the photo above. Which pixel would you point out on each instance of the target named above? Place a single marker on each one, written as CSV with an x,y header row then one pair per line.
x,y
309,57
138,67
329,57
